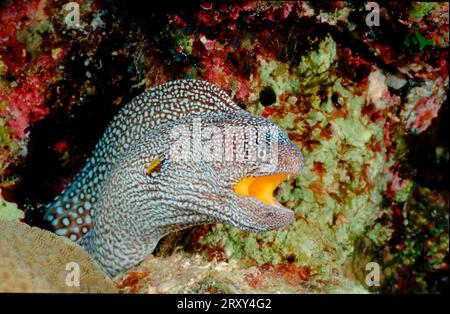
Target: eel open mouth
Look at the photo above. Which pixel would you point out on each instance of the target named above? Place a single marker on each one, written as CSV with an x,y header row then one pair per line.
x,y
261,188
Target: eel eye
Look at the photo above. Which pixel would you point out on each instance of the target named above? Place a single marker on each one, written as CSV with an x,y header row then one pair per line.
x,y
154,166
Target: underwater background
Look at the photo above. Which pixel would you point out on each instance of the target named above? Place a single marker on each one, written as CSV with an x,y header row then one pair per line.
x,y
366,104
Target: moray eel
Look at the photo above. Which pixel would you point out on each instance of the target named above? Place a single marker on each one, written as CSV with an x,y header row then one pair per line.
x,y
181,154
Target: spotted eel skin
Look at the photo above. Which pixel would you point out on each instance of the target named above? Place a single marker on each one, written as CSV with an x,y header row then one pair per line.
x,y
118,208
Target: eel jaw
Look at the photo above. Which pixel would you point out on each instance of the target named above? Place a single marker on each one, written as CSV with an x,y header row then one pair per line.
x,y
261,188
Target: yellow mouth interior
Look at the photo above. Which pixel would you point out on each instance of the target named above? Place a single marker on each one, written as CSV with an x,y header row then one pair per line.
x,y
260,188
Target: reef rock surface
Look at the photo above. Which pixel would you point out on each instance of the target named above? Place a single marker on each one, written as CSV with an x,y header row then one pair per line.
x,y
35,260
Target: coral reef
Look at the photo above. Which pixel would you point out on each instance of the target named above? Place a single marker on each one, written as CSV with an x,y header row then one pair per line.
x,y
24,30
366,104
195,275
338,194
34,260
341,108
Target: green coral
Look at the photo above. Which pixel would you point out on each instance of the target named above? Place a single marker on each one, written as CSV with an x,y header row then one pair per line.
x,y
429,25
418,39
421,9
314,67
32,37
7,148
424,240
5,132
9,211
181,41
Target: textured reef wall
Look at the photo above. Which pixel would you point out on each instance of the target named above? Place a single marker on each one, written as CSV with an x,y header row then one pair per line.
x,y
365,104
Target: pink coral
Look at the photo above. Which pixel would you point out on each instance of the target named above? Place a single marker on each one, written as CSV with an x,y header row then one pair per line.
x,y
25,97
25,103
423,104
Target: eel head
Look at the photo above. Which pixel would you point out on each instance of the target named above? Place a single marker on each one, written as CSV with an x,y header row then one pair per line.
x,y
240,160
